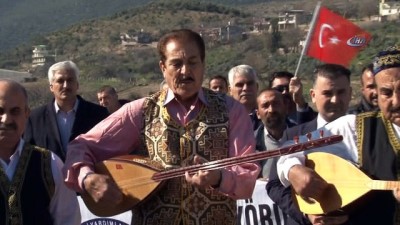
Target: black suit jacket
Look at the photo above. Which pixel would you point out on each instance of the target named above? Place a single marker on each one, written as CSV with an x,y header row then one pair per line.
x,y
303,117
282,195
301,129
42,128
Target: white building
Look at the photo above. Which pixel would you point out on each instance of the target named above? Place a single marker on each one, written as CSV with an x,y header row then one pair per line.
x,y
291,19
40,55
389,10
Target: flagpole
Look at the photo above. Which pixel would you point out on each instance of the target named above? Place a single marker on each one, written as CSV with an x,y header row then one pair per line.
x,y
310,31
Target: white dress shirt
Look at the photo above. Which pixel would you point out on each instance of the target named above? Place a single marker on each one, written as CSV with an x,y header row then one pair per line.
x,y
320,121
64,207
65,121
346,149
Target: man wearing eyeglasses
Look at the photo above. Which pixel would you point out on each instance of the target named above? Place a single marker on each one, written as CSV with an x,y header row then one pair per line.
x,y
292,89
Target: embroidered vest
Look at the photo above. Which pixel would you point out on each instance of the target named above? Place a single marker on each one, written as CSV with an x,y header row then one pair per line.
x,y
25,200
174,145
379,154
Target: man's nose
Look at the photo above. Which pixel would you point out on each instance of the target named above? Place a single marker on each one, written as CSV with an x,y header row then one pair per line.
x,y
271,108
396,100
65,84
4,118
334,98
246,86
184,69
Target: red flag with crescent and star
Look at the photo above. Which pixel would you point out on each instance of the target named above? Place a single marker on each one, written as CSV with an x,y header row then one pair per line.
x,y
335,39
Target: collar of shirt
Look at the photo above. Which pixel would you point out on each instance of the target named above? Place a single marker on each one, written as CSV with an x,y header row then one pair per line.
x,y
179,112
9,168
171,97
74,109
272,138
18,151
320,121
397,130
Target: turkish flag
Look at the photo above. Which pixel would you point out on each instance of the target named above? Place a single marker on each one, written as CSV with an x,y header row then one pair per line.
x,y
335,39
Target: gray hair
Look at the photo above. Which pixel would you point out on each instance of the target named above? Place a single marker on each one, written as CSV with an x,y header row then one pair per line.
x,y
241,70
64,65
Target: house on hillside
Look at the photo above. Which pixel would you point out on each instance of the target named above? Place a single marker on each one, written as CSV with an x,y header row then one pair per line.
x,y
41,56
211,35
223,34
231,33
132,41
290,19
261,24
16,75
389,10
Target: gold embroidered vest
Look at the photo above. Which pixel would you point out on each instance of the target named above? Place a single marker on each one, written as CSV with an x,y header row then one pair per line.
x,y
26,198
379,156
174,145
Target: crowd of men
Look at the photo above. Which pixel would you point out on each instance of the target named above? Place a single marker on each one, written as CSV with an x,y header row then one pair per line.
x,y
48,154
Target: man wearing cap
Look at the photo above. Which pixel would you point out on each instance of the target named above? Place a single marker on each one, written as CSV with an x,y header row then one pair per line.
x,y
292,89
370,140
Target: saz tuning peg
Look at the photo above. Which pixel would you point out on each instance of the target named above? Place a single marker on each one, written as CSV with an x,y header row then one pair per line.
x,y
321,133
308,135
296,139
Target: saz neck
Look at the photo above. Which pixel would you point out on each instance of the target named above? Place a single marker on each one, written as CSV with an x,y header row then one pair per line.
x,y
253,157
383,185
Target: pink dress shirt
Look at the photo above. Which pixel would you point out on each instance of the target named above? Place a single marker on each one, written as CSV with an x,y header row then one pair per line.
x,y
119,134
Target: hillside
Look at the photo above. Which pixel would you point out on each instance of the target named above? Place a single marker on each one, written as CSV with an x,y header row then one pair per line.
x,y
95,45
24,20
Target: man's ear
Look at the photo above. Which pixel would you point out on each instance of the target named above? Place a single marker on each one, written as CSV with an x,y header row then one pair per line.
x,y
161,65
312,95
27,111
258,115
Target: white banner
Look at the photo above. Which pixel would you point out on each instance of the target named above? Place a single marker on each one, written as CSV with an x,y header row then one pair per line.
x,y
260,209
89,218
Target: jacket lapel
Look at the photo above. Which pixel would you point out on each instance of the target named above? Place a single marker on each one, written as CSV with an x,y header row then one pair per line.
x,y
53,125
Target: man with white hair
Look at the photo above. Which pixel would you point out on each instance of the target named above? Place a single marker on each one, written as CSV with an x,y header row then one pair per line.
x,y
243,87
53,125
